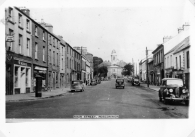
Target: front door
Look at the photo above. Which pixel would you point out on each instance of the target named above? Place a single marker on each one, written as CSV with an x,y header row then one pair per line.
x,y
9,80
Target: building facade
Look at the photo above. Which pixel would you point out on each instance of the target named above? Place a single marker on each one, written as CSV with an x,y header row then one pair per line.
x,y
39,53
89,56
18,51
158,57
114,70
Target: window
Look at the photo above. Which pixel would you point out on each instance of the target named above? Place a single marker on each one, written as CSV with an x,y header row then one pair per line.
x,y
67,62
43,53
171,61
28,24
62,64
49,38
188,59
16,76
36,50
10,13
176,63
70,64
36,31
20,20
54,58
179,61
44,35
27,77
50,56
57,58
20,43
62,51
10,44
167,62
28,46
54,42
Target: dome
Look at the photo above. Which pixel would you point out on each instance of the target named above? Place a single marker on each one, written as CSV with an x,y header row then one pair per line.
x,y
113,52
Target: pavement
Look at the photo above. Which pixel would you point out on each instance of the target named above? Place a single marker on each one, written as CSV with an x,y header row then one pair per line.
x,y
153,87
31,96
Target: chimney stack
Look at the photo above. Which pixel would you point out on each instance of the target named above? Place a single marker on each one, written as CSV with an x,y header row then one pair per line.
x,y
180,29
186,26
166,38
25,11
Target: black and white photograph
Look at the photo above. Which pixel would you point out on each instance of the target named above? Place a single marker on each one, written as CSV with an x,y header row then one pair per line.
x,y
125,64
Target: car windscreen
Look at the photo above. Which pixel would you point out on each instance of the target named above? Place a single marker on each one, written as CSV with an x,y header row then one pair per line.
x,y
175,82
119,80
75,82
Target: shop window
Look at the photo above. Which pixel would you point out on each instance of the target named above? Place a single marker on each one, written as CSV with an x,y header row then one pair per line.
x,y
27,77
16,77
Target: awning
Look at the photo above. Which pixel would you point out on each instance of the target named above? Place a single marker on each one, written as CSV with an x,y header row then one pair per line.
x,y
40,68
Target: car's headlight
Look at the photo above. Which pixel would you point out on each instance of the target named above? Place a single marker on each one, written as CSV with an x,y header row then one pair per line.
x,y
183,91
170,90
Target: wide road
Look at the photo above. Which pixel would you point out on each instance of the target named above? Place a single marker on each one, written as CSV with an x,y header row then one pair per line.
x,y
103,99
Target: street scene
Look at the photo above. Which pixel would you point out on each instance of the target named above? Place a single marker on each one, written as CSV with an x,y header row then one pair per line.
x,y
97,63
135,102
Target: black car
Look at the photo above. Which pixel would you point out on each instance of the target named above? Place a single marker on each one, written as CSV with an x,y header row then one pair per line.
x,y
135,81
120,82
172,89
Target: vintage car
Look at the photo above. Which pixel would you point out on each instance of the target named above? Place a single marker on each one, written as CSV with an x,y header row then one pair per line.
x,y
120,82
77,85
93,82
135,81
172,89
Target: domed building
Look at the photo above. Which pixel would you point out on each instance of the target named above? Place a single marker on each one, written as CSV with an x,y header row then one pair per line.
x,y
116,66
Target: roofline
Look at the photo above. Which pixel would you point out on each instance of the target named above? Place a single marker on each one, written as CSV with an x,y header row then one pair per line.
x,y
35,22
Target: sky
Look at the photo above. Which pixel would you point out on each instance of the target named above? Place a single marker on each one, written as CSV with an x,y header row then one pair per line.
x,y
128,27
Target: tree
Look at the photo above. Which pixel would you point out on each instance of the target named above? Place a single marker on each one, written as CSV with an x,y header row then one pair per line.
x,y
103,71
96,62
128,69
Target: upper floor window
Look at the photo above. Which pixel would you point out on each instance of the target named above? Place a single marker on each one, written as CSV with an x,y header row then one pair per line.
x,y
54,42
36,31
44,35
10,44
188,59
28,46
28,24
180,61
43,53
20,20
36,51
20,43
10,13
176,62
53,57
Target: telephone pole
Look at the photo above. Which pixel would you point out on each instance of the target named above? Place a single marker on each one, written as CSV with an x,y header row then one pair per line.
x,y
147,67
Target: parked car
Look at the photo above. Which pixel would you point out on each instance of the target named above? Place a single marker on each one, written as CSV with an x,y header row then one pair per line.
x,y
98,81
135,82
120,82
77,85
93,82
172,89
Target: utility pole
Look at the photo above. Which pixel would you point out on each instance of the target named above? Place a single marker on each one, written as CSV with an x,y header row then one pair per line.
x,y
147,67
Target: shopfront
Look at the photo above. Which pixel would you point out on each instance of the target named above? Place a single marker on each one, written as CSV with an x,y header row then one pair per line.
x,y
22,76
41,71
